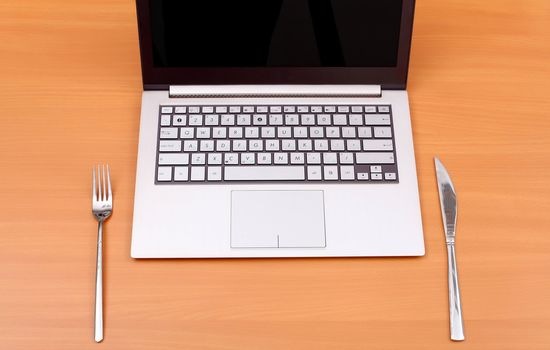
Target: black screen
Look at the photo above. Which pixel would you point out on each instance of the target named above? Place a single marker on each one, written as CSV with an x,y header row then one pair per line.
x,y
275,33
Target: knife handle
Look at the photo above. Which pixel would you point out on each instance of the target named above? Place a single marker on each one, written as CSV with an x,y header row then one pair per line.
x,y
457,324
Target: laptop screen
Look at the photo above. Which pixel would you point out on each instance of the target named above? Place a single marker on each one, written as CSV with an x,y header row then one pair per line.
x,y
275,33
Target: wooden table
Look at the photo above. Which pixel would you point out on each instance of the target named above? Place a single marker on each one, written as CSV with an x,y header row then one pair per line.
x,y
70,97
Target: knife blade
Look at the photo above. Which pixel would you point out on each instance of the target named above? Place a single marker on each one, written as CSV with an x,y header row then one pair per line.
x,y
448,204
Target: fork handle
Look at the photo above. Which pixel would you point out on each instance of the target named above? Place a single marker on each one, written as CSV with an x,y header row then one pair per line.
x,y
457,324
98,328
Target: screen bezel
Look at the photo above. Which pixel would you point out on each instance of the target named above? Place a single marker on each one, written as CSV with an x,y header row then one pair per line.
x,y
160,78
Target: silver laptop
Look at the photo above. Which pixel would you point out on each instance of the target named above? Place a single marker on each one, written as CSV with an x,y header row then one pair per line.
x,y
275,129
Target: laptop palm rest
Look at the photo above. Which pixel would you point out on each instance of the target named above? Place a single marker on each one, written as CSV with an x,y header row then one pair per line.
x,y
277,219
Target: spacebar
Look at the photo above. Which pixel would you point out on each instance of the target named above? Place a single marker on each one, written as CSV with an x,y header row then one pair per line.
x,y
250,173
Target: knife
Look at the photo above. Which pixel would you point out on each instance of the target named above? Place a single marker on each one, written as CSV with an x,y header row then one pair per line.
x,y
447,201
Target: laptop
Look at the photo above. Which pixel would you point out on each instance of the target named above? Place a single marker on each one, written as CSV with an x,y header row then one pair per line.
x,y
275,129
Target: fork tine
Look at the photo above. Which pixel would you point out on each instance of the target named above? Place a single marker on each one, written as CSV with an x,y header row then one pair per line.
x,y
94,190
104,181
99,193
109,193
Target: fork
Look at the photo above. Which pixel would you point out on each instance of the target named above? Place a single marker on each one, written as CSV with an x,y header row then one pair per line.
x,y
102,207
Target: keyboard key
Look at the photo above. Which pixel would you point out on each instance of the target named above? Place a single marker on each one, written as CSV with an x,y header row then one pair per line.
x,y
390,176
275,119
231,158
289,109
300,132
308,119
190,145
173,158
384,109
214,158
297,158
268,132
214,173
343,109
377,119
346,158
203,133
166,110
382,132
179,110
243,119
376,176
333,132
168,133
347,172
323,119
164,173
219,133
316,132
263,173
264,158
348,132
356,109
378,145
337,145
194,109
259,119
288,145
165,120
375,158
252,132
170,146
316,109
208,109
234,109
314,172
355,119
340,119
353,145
330,158
292,119
362,176
370,109
280,158
187,133
330,109
235,133
223,145
179,120
364,132
330,172
303,109
195,119
255,145
248,158
272,145
207,145
304,145
197,173
239,145
181,173
228,119
375,169
313,158
211,120
321,145
198,158
284,132
275,109
221,109
248,109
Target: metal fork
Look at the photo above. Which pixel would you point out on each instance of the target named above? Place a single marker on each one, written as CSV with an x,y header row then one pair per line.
x,y
102,207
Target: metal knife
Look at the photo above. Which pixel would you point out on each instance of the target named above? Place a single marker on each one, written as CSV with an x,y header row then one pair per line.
x,y
447,201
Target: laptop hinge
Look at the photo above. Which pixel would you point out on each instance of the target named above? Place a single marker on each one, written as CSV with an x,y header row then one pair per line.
x,y
236,91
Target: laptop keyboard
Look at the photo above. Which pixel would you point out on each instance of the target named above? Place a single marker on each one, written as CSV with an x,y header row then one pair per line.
x,y
276,143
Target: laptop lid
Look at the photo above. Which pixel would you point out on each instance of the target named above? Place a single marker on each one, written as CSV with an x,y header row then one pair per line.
x,y
204,42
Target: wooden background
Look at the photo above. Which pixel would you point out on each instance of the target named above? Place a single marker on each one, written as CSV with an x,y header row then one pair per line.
x,y
70,97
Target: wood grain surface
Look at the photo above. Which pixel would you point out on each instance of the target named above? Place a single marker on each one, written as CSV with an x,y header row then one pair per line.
x,y
70,97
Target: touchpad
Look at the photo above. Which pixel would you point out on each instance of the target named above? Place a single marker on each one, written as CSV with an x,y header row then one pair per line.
x,y
277,219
